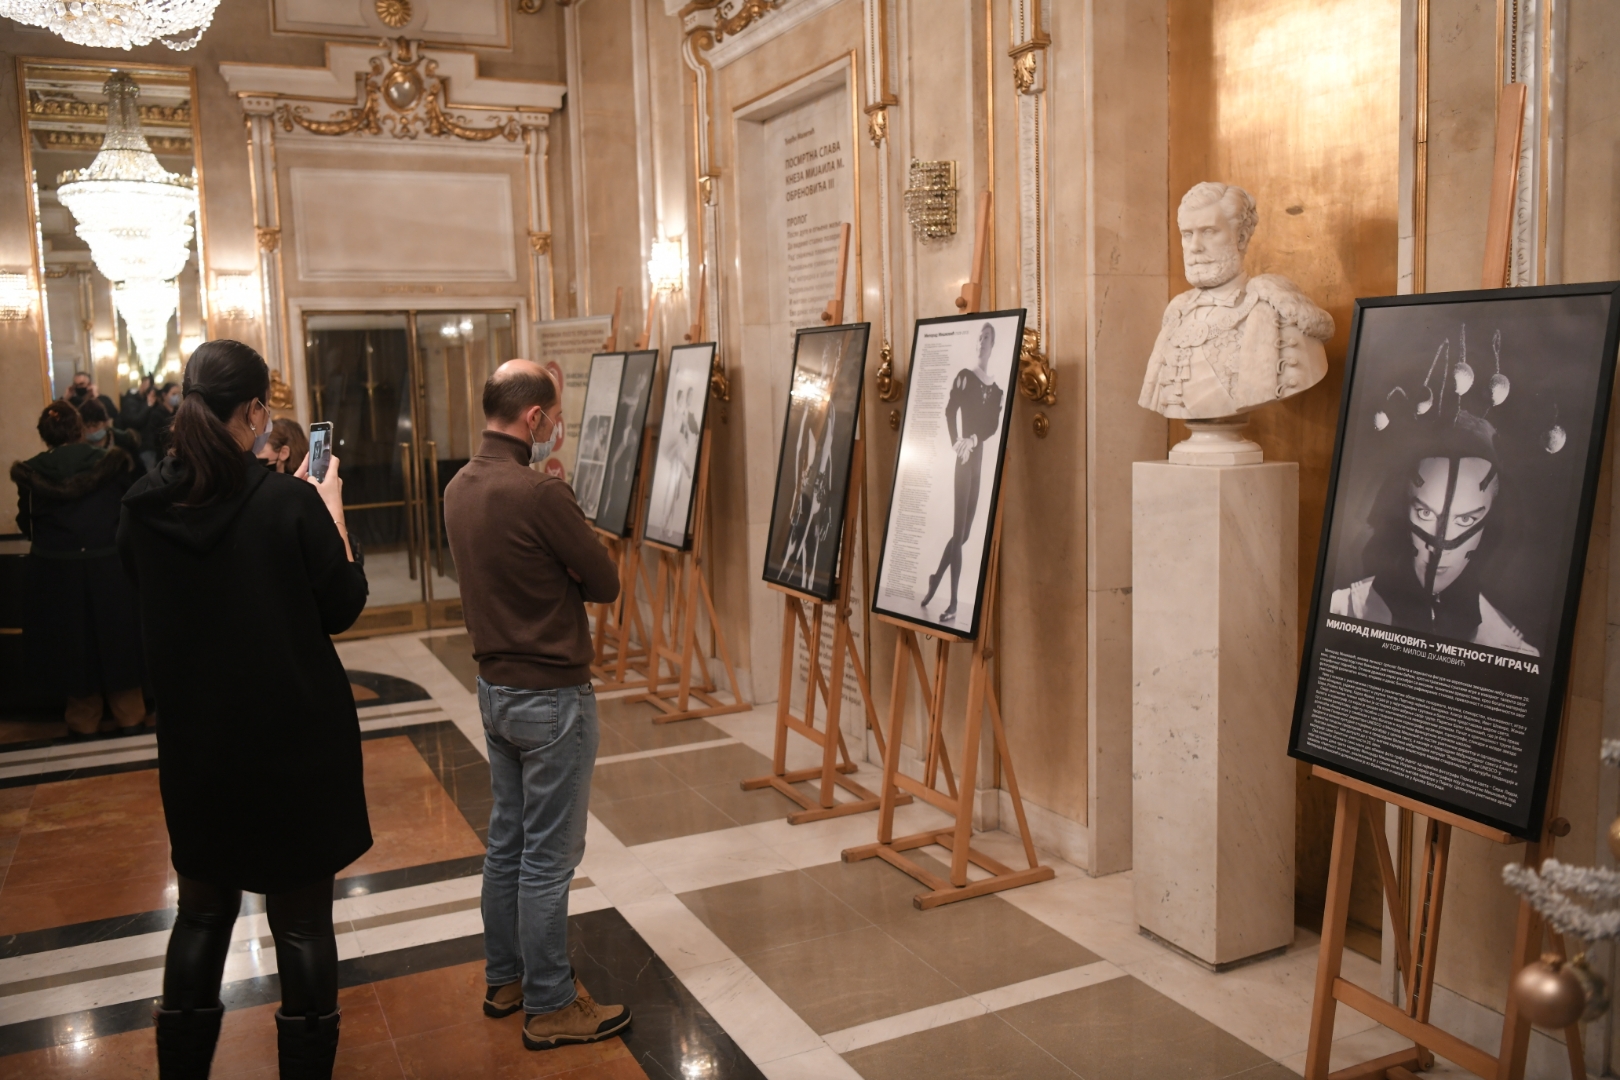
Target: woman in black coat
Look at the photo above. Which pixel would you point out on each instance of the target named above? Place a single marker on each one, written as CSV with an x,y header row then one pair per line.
x,y
79,624
258,746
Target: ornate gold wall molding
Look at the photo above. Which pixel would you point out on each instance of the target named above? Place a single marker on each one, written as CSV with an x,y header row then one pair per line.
x,y
728,17
879,78
404,96
699,23
1028,44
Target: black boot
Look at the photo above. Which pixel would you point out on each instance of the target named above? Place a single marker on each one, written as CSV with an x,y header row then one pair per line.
x,y
307,1045
185,1041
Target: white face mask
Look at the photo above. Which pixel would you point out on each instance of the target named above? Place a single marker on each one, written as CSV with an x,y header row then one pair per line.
x,y
261,437
540,451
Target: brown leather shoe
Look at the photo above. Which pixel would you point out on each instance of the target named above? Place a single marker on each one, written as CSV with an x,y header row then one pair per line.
x,y
502,1001
581,1021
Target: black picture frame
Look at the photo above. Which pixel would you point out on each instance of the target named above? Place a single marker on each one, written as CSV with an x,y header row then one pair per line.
x,y
673,486
813,465
894,594
1410,679
624,445
596,429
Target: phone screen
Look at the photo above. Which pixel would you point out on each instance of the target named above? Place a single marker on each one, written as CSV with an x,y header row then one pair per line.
x,y
320,450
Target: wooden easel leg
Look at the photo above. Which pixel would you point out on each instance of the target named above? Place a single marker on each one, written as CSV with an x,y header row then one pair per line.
x,y
1574,1041
1526,946
1000,735
784,688
835,711
1335,918
970,767
897,718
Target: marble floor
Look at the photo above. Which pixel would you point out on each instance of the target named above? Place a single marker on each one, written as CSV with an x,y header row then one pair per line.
x,y
744,945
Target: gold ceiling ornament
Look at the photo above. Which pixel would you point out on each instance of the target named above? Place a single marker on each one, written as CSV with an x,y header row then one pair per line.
x,y
269,239
407,85
730,16
1037,380
877,124
539,242
394,13
532,7
50,107
91,141
888,387
931,199
1042,425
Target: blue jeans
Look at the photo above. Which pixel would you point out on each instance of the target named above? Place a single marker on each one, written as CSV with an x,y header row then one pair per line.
x,y
542,748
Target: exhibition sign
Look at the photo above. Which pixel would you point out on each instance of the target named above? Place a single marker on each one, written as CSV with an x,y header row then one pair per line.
x,y
1453,546
813,469
947,475
680,435
624,444
596,425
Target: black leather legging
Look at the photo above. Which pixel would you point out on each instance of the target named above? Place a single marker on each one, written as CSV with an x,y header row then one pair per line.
x,y
300,922
969,478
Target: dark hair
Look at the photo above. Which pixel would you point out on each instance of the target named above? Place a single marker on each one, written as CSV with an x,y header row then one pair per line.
x,y
289,433
60,424
506,396
220,377
93,412
86,374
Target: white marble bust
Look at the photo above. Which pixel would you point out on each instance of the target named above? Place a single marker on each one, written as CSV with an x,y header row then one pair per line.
x,y
1231,343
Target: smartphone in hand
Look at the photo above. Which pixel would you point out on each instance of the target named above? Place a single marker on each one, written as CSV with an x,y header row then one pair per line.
x,y
320,449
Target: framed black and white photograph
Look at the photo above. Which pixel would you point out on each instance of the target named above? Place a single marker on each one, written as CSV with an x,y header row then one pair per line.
x,y
596,428
1454,542
812,471
680,435
624,444
947,475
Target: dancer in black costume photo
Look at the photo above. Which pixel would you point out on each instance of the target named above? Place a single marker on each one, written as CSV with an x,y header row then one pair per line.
x,y
972,415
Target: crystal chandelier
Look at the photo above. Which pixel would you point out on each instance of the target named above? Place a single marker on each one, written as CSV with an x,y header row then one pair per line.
x,y
116,24
146,305
136,217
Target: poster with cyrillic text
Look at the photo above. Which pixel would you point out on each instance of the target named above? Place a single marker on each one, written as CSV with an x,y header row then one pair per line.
x,y
1464,477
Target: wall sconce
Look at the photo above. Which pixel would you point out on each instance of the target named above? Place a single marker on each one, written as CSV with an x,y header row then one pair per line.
x,y
16,297
666,265
236,296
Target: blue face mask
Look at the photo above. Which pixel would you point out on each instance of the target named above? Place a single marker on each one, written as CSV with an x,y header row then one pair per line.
x,y
96,436
174,401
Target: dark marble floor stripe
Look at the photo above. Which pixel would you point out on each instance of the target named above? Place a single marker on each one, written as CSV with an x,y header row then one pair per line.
x,y
146,922
672,1036
30,779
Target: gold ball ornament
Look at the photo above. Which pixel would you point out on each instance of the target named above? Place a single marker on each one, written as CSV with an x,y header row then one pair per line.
x,y
1549,993
1614,838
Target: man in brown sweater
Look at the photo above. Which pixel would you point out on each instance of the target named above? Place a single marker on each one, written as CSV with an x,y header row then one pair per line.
x,y
528,562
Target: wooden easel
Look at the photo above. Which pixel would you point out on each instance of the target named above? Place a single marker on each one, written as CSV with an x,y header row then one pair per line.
x,y
679,590
646,330
612,342
958,797
835,760
621,641
1416,952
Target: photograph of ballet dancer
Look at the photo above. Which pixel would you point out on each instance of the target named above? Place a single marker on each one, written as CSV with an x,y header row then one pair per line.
x,y
947,476
596,425
812,471
624,445
1452,557
680,433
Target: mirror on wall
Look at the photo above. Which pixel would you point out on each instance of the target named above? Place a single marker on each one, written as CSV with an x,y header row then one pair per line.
x,y
111,152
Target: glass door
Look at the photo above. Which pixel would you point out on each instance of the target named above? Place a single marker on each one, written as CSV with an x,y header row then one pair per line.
x,y
403,391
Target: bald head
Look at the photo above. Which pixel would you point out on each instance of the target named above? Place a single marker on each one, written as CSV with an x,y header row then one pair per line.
x,y
516,387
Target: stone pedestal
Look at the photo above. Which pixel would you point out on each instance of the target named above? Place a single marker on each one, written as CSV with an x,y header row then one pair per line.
x,y
1214,569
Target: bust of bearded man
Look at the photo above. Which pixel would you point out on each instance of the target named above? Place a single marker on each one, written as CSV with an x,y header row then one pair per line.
x,y
1231,343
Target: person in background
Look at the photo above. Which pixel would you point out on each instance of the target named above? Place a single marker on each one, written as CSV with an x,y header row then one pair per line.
x,y
100,431
287,447
528,562
83,389
132,406
242,576
79,624
161,404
